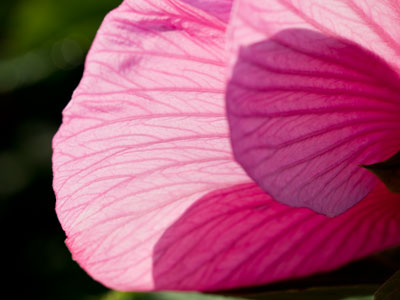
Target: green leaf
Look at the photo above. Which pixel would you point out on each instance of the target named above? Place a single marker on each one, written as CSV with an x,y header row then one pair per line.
x,y
390,290
327,293
388,172
115,295
356,292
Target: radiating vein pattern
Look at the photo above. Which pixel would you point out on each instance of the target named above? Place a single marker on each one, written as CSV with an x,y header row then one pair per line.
x,y
307,107
240,237
144,136
148,191
372,24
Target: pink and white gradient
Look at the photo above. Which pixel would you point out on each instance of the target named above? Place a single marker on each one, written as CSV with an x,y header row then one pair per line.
x,y
148,192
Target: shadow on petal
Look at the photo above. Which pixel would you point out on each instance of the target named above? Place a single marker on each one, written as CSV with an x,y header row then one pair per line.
x,y
240,237
305,111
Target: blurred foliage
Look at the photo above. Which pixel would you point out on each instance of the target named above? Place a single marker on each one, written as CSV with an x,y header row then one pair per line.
x,y
44,36
390,289
115,295
42,48
41,42
309,294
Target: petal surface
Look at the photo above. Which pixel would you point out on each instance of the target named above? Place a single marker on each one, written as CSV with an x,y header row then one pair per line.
x,y
374,25
307,106
218,8
240,236
144,136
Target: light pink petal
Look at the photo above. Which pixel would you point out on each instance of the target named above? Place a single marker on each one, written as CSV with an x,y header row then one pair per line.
x,y
218,8
240,236
372,24
307,107
144,137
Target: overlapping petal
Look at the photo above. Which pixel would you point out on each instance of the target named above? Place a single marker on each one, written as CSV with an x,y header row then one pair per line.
x,y
240,236
313,94
144,136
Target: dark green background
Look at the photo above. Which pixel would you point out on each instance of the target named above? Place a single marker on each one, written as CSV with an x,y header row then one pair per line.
x,y
42,48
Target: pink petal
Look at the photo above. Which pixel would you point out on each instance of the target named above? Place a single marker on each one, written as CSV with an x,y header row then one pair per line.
x,y
239,237
143,138
307,107
218,8
372,24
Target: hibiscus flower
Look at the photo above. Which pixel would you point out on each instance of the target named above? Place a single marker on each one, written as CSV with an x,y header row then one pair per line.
x,y
208,147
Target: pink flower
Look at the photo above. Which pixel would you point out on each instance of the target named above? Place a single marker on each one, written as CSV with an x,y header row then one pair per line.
x,y
148,192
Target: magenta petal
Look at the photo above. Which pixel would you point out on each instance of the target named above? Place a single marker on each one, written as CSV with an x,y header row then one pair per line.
x,y
144,137
305,111
239,237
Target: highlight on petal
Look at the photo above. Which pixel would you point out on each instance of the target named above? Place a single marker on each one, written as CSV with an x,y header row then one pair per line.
x,y
306,109
144,136
374,25
240,236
